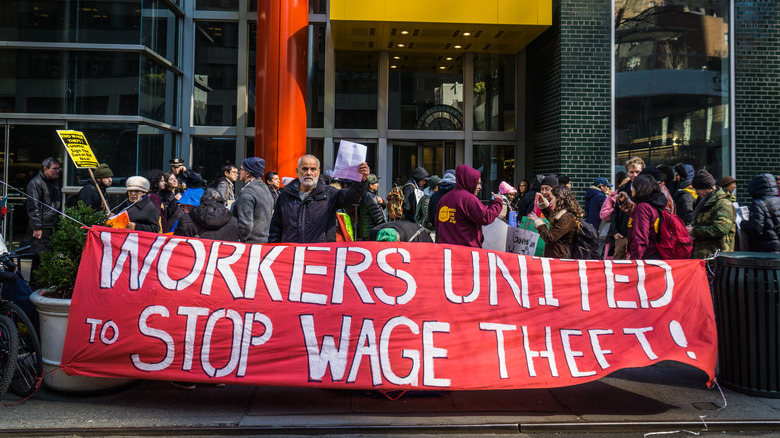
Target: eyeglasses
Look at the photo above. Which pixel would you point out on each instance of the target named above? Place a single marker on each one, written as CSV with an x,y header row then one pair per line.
x,y
54,168
242,170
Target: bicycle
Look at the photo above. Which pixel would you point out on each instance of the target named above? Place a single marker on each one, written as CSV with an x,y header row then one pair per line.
x,y
28,361
9,348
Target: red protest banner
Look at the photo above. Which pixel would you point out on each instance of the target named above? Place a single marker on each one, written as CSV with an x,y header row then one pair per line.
x,y
368,315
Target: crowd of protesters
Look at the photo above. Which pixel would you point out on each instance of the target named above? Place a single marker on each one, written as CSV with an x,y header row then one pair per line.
x,y
313,207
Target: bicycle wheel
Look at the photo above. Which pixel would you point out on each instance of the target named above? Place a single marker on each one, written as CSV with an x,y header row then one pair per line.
x,y
9,346
29,361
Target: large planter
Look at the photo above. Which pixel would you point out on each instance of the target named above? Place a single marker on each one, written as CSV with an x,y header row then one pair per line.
x,y
53,325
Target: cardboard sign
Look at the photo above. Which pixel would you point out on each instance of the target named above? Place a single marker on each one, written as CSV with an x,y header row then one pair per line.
x,y
375,315
521,241
78,149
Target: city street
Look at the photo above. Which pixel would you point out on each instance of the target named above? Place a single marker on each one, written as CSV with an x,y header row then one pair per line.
x,y
666,397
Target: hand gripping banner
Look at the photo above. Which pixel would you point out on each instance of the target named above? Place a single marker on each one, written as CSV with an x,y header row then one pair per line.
x,y
375,315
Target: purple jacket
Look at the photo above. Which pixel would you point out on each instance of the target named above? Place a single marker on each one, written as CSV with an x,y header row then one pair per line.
x,y
460,214
641,228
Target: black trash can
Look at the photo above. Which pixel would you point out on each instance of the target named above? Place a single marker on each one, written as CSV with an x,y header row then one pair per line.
x,y
747,312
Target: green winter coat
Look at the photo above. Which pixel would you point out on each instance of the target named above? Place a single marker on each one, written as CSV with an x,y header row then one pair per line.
x,y
714,225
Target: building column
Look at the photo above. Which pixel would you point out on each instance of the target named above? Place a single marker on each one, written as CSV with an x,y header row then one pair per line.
x,y
280,110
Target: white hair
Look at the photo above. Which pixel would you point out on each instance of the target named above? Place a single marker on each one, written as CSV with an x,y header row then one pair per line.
x,y
310,156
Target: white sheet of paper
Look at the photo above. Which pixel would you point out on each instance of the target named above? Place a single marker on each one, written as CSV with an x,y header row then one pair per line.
x,y
348,160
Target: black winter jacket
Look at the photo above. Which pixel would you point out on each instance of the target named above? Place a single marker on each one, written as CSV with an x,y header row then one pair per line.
x,y
619,219
209,220
684,199
173,212
410,199
371,214
312,219
90,197
48,192
145,215
763,225
526,204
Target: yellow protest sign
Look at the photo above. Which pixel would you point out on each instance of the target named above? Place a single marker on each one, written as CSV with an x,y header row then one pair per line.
x,y
78,149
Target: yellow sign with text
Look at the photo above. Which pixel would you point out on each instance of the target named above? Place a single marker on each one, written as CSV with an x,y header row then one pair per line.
x,y
78,149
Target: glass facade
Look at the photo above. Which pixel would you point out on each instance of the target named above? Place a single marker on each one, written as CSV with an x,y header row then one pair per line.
x,y
494,93
356,89
147,80
435,156
117,79
216,73
426,92
211,153
672,83
496,162
315,83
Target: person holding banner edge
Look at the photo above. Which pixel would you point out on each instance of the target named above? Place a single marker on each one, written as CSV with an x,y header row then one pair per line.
x,y
143,215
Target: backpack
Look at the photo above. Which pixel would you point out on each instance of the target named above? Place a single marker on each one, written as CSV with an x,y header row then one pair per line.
x,y
585,245
395,204
672,238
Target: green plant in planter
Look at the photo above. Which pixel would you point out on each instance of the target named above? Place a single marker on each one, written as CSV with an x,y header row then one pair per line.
x,y
60,265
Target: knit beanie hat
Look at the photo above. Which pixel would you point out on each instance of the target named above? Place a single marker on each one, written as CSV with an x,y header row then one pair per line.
x,y
652,171
550,180
689,170
255,166
103,171
137,183
434,181
387,235
505,188
703,180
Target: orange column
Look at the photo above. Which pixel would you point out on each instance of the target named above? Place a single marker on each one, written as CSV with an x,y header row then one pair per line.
x,y
280,115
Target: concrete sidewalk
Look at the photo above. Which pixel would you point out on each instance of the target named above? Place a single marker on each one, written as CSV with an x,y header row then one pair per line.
x,y
665,397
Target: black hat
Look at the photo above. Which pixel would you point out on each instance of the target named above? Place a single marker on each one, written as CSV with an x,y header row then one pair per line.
x,y
176,162
652,171
550,180
703,180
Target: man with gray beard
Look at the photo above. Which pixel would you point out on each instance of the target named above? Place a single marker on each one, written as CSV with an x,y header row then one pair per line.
x,y
306,209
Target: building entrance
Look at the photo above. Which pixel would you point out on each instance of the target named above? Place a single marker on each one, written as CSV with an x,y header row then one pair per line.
x,y
435,156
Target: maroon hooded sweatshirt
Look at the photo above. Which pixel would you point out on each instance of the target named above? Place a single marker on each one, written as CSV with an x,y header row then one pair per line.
x,y
461,214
